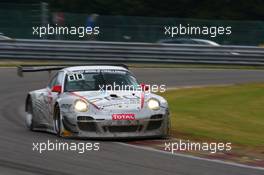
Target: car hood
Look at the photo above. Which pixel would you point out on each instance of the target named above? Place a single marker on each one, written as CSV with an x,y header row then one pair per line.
x,y
114,100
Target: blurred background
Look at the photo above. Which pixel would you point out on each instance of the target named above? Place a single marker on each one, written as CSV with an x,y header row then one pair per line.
x,y
137,20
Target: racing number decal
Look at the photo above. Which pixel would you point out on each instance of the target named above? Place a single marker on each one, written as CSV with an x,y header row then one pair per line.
x,y
75,77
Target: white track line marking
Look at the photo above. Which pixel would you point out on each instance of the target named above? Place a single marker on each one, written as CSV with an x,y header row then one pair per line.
x,y
191,157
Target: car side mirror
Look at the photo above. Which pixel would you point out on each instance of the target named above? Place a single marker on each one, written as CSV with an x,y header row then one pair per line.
x,y
56,88
144,87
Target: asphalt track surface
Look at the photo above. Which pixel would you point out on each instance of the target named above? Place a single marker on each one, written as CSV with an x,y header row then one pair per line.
x,y
17,156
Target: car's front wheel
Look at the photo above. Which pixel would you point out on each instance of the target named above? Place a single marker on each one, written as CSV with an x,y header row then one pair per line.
x,y
58,122
167,129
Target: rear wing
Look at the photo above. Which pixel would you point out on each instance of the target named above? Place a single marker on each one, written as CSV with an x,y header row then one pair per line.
x,y
38,68
29,68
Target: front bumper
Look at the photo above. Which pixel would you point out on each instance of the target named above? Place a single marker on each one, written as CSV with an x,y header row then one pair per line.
x,y
86,126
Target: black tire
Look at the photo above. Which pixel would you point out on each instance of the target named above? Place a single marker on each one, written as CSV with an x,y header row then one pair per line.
x,y
30,110
57,121
167,133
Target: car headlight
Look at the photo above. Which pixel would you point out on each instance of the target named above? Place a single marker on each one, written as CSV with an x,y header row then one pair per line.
x,y
153,104
81,105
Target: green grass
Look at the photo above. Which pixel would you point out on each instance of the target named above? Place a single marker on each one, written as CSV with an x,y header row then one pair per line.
x,y
231,114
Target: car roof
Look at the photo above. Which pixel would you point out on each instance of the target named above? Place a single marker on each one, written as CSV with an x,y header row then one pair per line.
x,y
77,68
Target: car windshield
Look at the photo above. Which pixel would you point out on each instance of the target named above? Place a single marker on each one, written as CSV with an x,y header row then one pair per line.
x,y
93,81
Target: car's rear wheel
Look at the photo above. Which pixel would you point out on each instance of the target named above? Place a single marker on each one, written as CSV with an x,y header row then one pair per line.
x,y
58,122
30,115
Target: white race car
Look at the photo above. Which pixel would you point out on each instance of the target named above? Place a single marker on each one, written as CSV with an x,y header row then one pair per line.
x,y
96,102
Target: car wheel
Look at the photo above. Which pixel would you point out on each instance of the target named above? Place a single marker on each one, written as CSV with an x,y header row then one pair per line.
x,y
167,131
57,122
30,115
169,128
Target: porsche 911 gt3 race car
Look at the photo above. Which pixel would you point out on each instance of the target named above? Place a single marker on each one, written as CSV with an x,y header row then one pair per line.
x,y
87,101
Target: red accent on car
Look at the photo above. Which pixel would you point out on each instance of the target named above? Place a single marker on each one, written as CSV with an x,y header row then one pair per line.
x,y
123,117
142,100
82,97
144,87
56,88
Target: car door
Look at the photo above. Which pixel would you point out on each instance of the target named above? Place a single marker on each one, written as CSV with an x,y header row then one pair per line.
x,y
51,97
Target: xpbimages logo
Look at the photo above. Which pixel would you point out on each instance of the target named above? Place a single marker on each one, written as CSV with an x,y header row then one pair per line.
x,y
147,88
183,145
79,147
212,31
80,31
